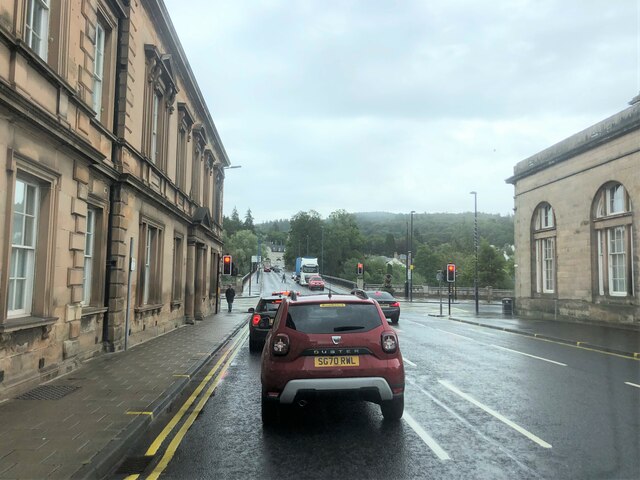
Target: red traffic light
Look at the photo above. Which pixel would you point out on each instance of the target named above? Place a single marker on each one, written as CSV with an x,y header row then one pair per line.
x,y
360,269
226,264
451,272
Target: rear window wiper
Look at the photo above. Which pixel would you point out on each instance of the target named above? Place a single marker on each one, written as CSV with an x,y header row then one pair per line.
x,y
348,327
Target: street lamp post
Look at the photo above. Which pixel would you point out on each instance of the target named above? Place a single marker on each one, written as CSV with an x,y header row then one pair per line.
x,y
406,261
475,243
322,250
411,259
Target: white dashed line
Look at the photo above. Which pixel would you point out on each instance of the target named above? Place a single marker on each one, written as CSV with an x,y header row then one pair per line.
x,y
406,360
529,355
626,383
497,415
426,438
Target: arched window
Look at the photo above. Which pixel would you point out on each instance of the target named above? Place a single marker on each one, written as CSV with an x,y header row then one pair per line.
x,y
544,241
612,223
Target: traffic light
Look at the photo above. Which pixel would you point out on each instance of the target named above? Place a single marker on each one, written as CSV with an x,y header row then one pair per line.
x,y
451,272
360,269
226,264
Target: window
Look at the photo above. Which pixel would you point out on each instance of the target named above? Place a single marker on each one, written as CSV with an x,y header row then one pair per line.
x,y
37,26
176,291
23,247
150,281
185,122
98,69
89,249
213,274
612,224
544,241
159,97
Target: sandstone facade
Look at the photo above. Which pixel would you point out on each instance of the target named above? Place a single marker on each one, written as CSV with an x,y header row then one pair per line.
x,y
110,157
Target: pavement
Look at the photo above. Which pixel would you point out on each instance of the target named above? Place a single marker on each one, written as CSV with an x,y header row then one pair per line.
x,y
82,425
621,340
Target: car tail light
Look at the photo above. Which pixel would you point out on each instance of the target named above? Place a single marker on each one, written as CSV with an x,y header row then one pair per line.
x,y
389,342
281,344
255,320
394,304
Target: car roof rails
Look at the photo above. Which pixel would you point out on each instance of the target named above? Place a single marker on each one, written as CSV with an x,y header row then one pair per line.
x,y
359,293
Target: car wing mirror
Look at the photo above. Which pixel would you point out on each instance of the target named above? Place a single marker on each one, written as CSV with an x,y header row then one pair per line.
x,y
251,310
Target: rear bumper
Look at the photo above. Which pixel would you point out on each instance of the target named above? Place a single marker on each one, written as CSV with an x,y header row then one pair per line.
x,y
371,388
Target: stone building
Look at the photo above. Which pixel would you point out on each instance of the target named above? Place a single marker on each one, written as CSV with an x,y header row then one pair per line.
x,y
577,213
110,158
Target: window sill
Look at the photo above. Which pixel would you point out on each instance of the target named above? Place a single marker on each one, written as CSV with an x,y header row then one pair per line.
x,y
148,309
26,323
88,310
176,304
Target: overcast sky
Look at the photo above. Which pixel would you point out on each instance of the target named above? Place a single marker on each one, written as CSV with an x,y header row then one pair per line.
x,y
399,105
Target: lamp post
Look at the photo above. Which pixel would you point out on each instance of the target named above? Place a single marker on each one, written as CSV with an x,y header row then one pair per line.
x,y
411,259
322,250
475,243
406,261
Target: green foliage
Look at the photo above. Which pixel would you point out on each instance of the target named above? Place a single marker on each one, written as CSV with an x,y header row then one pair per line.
x,y
305,237
248,221
491,266
342,241
241,246
233,224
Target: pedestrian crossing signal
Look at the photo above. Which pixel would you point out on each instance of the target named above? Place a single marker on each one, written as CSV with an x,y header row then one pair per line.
x,y
451,272
226,264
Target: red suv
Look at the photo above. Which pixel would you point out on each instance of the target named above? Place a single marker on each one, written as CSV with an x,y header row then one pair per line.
x,y
338,345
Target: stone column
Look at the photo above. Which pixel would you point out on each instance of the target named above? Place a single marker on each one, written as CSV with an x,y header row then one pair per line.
x,y
189,283
200,285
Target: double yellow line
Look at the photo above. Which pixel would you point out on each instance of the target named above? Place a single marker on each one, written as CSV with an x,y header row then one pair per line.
x,y
224,361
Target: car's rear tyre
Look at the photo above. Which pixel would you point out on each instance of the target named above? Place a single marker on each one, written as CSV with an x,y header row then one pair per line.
x,y
395,320
255,346
270,412
393,409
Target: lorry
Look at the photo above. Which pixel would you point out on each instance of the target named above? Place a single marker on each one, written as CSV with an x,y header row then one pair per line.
x,y
308,268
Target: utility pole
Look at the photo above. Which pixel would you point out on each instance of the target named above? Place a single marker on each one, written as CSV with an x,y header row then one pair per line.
x,y
475,243
411,259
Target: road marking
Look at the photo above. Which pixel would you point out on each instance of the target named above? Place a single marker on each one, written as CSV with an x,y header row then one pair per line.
x,y
426,438
416,323
155,446
475,429
406,360
628,383
140,413
497,415
458,335
398,330
529,355
177,439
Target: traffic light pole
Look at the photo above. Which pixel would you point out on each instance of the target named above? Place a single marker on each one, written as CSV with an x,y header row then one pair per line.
x,y
449,297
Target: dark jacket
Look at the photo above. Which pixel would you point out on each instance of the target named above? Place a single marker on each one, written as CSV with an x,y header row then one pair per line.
x,y
230,293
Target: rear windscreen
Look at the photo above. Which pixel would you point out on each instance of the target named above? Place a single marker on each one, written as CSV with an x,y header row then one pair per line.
x,y
333,317
269,305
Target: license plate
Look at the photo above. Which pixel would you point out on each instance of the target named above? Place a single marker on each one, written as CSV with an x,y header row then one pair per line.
x,y
338,361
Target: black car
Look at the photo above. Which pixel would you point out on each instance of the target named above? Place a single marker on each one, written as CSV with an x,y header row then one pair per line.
x,y
261,320
388,303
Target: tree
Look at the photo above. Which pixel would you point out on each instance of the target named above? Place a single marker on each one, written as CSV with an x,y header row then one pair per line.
x,y
390,245
427,262
342,241
241,246
491,266
233,224
305,237
248,221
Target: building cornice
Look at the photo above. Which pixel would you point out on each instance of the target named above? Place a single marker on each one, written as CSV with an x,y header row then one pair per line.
x,y
159,12
622,123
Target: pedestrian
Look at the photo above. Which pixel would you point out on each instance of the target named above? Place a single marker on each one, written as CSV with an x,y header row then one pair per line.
x,y
230,293
284,278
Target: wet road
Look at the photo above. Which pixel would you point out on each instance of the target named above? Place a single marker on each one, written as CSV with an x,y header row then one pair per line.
x,y
479,403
